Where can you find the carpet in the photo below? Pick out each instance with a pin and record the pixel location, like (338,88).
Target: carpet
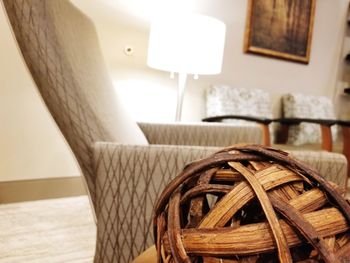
(55,230)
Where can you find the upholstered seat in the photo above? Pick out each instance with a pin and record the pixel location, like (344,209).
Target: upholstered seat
(123,171)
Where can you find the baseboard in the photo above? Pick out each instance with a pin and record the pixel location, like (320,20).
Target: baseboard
(37,189)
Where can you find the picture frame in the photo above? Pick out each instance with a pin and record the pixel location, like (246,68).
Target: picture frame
(281,29)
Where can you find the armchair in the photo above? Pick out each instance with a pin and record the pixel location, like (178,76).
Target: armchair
(123,172)
(240,106)
(307,119)
(308,114)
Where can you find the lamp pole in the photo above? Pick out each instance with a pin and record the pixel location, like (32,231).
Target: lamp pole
(181,84)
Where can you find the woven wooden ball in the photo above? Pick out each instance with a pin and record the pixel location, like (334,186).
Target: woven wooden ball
(250,203)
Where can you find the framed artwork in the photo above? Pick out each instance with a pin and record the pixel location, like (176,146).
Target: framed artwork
(280,28)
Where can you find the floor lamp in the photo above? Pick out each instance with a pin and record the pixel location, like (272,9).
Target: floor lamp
(186,44)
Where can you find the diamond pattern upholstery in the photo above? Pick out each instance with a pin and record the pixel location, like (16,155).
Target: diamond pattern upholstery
(129,180)
(332,166)
(201,134)
(67,71)
(60,48)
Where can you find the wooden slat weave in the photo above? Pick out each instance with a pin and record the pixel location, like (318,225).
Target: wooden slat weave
(249,203)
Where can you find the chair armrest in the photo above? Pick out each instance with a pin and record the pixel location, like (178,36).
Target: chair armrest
(129,178)
(332,166)
(343,123)
(201,134)
(297,121)
(264,123)
(260,120)
(325,126)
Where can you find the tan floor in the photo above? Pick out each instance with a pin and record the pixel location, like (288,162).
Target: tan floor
(50,231)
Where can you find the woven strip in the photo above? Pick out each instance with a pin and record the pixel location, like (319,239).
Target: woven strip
(250,202)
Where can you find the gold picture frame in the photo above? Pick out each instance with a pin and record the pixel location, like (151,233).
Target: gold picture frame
(280,28)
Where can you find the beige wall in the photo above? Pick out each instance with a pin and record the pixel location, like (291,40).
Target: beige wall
(30,144)
(239,69)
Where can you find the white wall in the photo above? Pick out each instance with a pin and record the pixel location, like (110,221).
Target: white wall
(31,146)
(239,69)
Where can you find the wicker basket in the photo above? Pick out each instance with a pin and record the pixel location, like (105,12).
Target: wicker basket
(250,203)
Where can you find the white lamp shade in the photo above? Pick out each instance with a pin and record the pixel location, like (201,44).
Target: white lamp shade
(191,44)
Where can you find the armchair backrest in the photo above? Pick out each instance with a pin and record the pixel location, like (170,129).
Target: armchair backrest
(228,100)
(60,47)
